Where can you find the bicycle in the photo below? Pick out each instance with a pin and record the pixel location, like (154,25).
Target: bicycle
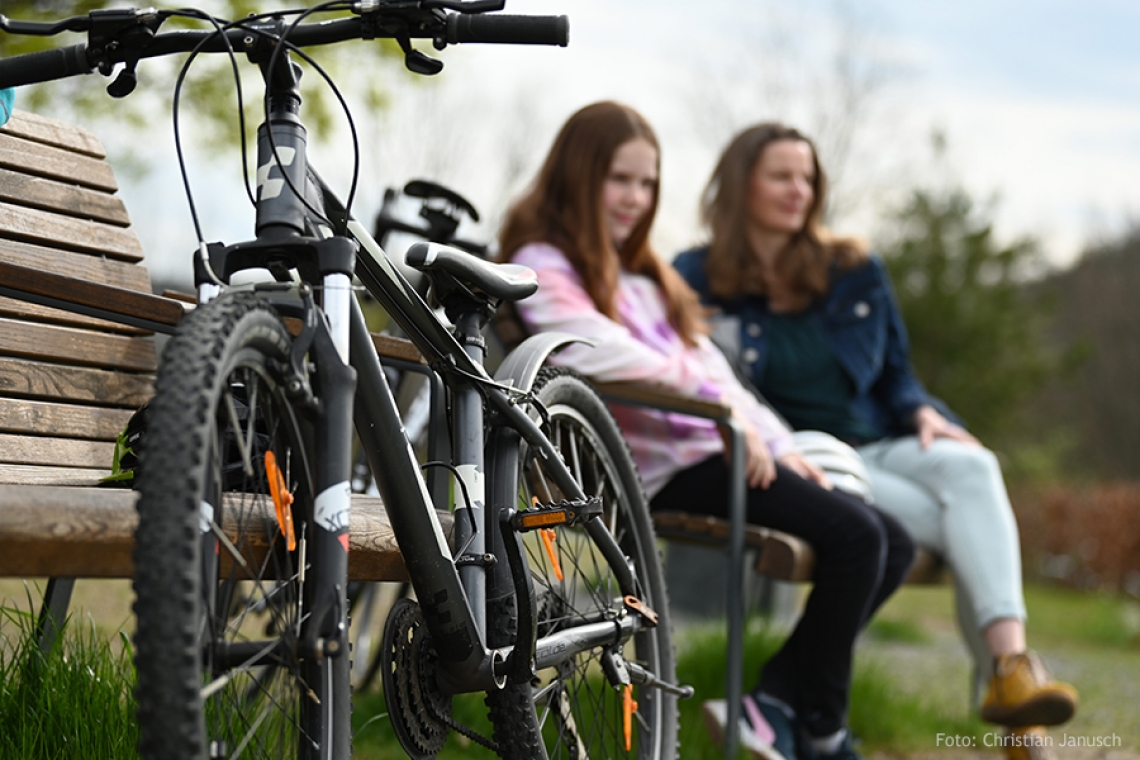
(241,548)
(438,218)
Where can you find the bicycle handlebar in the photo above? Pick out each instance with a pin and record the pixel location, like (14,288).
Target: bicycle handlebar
(449,28)
(505,29)
(44,66)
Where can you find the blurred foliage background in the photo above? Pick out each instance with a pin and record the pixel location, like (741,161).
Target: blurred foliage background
(208,107)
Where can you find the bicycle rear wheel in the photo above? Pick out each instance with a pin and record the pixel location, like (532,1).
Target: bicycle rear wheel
(572,710)
(221,596)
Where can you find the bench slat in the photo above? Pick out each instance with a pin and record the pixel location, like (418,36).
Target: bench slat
(782,556)
(56,452)
(85,266)
(24,378)
(57,163)
(41,129)
(62,420)
(60,197)
(27,475)
(84,347)
(89,533)
(31,312)
(65,232)
(35,283)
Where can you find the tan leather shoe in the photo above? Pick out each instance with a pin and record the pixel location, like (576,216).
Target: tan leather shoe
(1022,693)
(1028,743)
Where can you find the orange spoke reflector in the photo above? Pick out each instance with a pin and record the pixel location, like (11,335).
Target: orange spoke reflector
(548,539)
(628,708)
(282,500)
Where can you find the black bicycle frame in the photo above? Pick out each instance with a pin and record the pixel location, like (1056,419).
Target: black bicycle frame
(453,599)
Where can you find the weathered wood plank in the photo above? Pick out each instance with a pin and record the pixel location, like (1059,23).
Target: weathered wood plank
(57,163)
(397,348)
(34,282)
(25,475)
(89,533)
(84,265)
(62,420)
(781,556)
(72,200)
(56,452)
(38,226)
(23,378)
(85,347)
(31,312)
(61,134)
(639,394)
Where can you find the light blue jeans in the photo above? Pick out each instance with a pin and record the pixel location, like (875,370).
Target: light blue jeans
(952,499)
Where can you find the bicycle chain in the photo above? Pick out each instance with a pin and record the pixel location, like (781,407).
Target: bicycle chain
(422,710)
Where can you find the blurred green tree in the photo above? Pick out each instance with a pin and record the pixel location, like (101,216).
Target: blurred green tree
(208,98)
(977,334)
(1096,308)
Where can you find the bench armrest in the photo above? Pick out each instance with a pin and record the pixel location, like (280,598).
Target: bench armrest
(638,394)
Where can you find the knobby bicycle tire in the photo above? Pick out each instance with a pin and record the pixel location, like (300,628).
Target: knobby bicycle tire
(572,711)
(219,595)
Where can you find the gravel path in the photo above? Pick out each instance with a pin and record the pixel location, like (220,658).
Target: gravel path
(1107,723)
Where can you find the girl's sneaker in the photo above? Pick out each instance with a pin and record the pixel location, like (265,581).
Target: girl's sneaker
(765,731)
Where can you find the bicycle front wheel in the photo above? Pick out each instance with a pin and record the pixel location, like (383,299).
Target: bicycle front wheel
(221,599)
(575,710)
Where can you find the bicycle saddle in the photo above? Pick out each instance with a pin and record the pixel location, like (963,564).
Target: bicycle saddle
(506,282)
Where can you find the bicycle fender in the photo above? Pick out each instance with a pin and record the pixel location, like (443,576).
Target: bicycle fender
(521,366)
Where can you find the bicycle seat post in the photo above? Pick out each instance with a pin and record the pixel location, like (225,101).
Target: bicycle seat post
(470,536)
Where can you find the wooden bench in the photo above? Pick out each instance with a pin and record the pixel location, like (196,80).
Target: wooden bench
(77,357)
(780,556)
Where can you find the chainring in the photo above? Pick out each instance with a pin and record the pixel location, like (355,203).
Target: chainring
(420,713)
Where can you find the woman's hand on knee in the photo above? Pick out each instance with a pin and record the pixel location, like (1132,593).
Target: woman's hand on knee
(930,424)
(806,469)
(759,466)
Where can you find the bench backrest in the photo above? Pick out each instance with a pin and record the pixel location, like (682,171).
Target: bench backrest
(68,382)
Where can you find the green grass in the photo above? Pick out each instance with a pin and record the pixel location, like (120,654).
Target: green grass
(881,715)
(1059,617)
(374,739)
(902,631)
(76,702)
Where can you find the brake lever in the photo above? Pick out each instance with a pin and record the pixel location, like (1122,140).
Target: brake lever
(120,35)
(43,28)
(415,61)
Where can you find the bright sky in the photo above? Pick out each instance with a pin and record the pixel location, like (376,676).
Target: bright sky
(1039,102)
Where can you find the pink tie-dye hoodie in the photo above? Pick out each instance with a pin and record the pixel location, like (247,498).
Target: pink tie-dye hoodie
(643,347)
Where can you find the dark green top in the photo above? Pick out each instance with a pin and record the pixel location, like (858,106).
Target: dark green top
(806,383)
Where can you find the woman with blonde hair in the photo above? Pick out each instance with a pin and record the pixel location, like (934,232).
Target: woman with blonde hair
(812,322)
(583,226)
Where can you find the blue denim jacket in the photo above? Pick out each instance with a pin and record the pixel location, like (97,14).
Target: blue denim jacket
(862,323)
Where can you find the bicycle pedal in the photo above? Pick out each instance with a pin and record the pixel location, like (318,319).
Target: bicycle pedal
(567,513)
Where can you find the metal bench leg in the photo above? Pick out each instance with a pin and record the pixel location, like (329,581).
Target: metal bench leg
(57,598)
(734,603)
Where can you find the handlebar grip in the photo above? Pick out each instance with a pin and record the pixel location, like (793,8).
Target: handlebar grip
(507,29)
(44,66)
